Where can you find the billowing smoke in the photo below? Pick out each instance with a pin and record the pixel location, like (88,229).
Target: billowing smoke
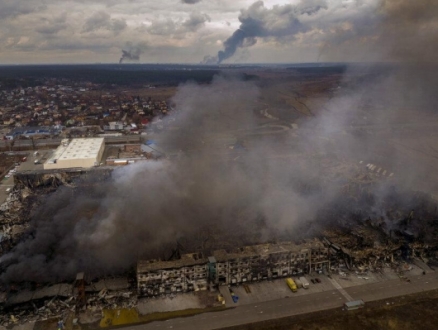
(306,23)
(190,2)
(274,183)
(132,52)
(208,197)
(260,22)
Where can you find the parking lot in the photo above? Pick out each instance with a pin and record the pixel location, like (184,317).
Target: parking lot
(29,164)
(278,289)
(7,182)
(273,290)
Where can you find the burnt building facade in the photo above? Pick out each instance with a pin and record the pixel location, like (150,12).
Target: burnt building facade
(155,277)
(193,272)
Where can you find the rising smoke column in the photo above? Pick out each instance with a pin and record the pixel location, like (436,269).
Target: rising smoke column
(132,52)
(260,22)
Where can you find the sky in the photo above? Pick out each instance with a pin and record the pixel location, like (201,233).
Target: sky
(192,31)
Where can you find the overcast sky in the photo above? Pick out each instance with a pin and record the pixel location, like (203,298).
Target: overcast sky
(189,31)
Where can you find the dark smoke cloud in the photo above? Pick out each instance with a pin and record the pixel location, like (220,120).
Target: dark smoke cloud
(260,22)
(132,53)
(410,30)
(246,196)
(390,30)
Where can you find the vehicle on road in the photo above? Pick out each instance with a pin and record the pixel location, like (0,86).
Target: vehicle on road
(291,284)
(317,280)
(313,281)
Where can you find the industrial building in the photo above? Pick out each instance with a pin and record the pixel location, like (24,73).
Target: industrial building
(86,152)
(194,272)
(29,132)
(189,273)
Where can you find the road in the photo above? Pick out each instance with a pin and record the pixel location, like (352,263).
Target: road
(296,305)
(53,142)
(5,184)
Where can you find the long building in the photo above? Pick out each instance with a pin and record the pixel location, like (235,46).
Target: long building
(83,152)
(189,273)
(194,272)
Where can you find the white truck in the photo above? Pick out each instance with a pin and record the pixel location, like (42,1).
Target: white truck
(304,282)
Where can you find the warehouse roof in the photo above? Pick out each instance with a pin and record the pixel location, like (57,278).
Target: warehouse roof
(190,259)
(78,149)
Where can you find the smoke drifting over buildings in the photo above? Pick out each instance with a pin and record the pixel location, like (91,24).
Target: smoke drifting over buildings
(253,196)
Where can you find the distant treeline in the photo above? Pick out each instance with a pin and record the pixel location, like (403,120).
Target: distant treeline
(159,74)
(341,68)
(109,74)
(326,70)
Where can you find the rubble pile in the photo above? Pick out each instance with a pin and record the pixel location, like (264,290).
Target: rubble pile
(12,204)
(40,179)
(14,218)
(105,299)
(59,300)
(37,311)
(369,248)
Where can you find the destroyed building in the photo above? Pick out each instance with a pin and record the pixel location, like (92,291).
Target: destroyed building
(188,273)
(193,272)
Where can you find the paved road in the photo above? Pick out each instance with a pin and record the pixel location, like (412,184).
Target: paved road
(296,305)
(5,184)
(394,288)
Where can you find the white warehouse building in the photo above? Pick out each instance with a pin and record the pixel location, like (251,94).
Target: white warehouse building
(85,152)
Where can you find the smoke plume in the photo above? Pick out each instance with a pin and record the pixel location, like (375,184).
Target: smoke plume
(132,52)
(231,179)
(260,22)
